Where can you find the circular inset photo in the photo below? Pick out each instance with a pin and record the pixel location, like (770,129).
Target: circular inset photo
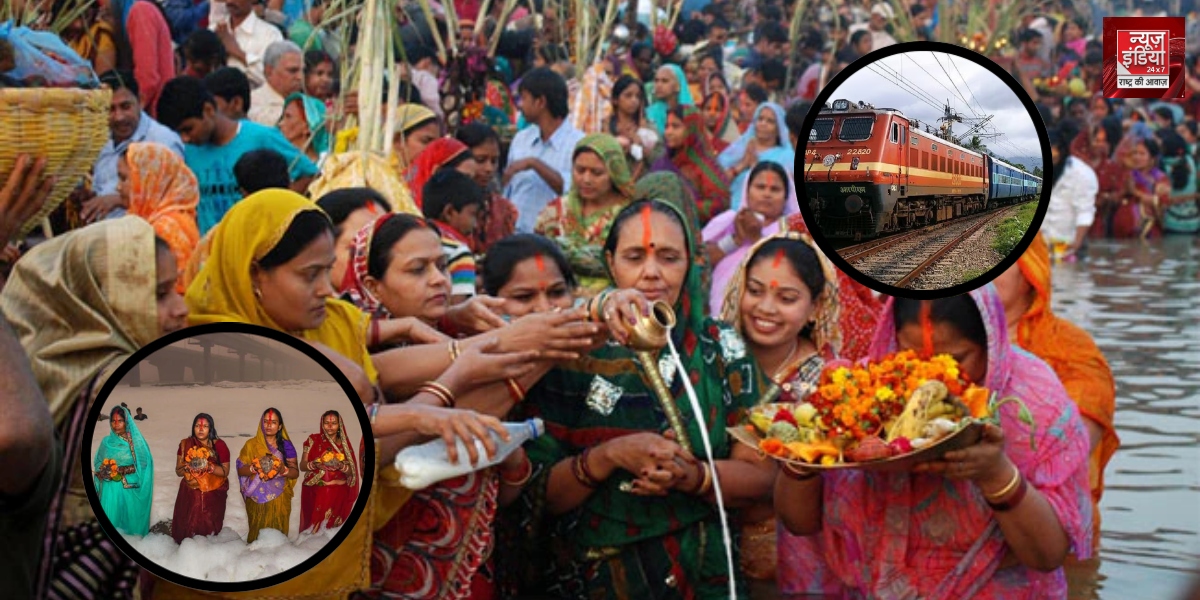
(227,460)
(923,170)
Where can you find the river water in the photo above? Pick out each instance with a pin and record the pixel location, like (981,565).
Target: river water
(1141,303)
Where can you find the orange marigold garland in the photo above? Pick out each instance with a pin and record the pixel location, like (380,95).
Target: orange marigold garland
(110,465)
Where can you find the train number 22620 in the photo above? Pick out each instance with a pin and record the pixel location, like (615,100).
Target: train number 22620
(858,151)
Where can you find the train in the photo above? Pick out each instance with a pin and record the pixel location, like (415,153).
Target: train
(861,183)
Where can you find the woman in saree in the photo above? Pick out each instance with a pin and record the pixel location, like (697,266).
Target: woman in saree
(770,199)
(267,485)
(1025,291)
(992,520)
(156,185)
(600,187)
(303,123)
(269,266)
(444,152)
(1099,153)
(690,155)
(670,92)
(331,476)
(200,504)
(765,140)
(113,285)
(498,218)
(124,475)
(1146,192)
(634,483)
(783,300)
(398,272)
(718,112)
(629,124)
(416,128)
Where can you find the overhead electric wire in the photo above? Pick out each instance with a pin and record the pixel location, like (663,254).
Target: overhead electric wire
(951,80)
(965,84)
(894,77)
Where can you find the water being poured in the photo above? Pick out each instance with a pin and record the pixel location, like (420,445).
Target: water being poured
(712,465)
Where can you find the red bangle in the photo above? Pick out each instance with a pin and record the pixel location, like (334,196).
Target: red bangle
(374,332)
(1012,502)
(526,472)
(515,390)
(582,474)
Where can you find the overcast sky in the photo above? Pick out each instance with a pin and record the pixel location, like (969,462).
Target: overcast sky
(984,94)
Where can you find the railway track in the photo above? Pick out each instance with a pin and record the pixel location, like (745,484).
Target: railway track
(910,254)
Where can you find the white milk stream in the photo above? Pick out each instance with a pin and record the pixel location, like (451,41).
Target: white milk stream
(691,393)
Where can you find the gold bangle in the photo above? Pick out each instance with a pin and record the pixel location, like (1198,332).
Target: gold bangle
(440,391)
(455,350)
(1016,479)
(706,480)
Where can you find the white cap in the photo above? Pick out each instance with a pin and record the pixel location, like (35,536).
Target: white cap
(883,10)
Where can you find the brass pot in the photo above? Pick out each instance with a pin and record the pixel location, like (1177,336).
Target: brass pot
(651,331)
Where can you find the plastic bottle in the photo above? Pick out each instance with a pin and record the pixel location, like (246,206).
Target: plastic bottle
(424,465)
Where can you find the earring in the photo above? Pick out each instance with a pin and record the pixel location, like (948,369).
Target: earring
(258,294)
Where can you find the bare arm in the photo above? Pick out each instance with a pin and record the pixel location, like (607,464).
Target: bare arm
(27,430)
(798,503)
(549,175)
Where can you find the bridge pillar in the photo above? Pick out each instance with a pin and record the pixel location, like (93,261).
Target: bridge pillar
(207,345)
(135,376)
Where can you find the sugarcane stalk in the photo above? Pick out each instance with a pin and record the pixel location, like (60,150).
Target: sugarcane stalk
(433,31)
(482,18)
(609,18)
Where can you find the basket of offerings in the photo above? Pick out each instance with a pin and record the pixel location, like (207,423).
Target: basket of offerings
(197,459)
(333,460)
(890,415)
(51,107)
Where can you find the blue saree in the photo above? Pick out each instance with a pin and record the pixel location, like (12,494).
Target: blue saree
(126,501)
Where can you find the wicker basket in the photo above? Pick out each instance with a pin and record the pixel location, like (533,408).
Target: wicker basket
(67,127)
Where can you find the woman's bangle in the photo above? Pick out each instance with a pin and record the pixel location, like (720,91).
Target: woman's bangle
(455,350)
(442,393)
(527,474)
(1016,499)
(1008,487)
(795,474)
(515,390)
(372,412)
(580,469)
(706,480)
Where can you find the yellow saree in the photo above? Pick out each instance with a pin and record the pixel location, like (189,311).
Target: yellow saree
(268,503)
(221,292)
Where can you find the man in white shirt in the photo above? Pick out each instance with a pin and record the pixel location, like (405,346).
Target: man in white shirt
(283,68)
(881,14)
(1072,207)
(540,156)
(246,37)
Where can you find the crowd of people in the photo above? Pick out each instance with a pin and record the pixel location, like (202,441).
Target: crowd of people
(528,211)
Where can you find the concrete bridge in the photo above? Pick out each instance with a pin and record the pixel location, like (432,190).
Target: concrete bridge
(216,357)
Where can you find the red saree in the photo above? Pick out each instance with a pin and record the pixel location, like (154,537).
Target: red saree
(201,510)
(327,496)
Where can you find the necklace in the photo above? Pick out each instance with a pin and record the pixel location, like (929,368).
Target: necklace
(786,360)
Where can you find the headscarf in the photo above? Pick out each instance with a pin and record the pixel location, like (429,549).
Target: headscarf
(670,187)
(1073,355)
(138,486)
(314,114)
(81,303)
(826,333)
(860,309)
(411,116)
(723,225)
(256,447)
(592,106)
(436,155)
(726,131)
(352,286)
(696,164)
(224,292)
(690,309)
(782,153)
(163,191)
(657,112)
(609,150)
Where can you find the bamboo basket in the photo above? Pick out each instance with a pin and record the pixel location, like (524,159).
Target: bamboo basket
(67,127)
